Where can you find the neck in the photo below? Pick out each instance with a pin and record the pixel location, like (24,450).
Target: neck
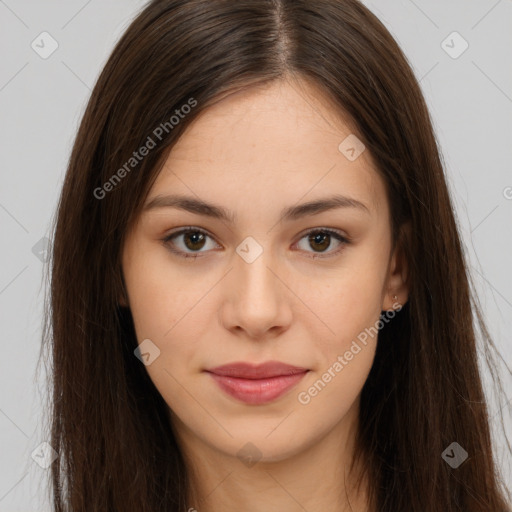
(315,479)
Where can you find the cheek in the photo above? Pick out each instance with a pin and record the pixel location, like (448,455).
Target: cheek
(346,305)
(158,295)
(348,311)
(169,310)
(330,396)
(346,354)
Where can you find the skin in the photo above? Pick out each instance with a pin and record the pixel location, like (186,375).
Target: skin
(256,152)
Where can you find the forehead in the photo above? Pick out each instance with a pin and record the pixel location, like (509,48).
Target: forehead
(270,144)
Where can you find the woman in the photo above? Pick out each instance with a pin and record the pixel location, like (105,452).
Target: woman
(259,297)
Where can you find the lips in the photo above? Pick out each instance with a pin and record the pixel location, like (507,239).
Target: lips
(257,384)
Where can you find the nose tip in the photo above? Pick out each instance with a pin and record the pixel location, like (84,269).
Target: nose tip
(256,301)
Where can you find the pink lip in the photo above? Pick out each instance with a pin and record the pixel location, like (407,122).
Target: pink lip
(257,384)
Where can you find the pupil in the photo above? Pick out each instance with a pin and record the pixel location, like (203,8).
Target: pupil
(318,238)
(196,238)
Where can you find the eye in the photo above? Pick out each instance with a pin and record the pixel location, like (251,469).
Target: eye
(194,239)
(321,239)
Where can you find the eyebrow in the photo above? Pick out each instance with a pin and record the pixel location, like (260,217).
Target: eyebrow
(194,205)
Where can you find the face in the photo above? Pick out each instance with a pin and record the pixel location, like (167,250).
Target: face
(270,280)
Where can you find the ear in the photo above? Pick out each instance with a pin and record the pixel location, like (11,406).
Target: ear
(397,282)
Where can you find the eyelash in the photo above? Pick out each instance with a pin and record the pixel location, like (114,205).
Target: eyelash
(338,236)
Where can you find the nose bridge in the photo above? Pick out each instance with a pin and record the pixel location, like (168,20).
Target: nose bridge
(256,283)
(258,296)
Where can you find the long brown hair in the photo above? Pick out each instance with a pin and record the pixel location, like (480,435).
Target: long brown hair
(107,421)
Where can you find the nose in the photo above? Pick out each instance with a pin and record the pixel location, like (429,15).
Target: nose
(256,300)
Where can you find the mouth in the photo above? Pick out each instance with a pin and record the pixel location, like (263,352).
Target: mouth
(257,384)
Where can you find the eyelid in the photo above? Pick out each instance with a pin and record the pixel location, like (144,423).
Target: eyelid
(180,231)
(339,235)
(336,233)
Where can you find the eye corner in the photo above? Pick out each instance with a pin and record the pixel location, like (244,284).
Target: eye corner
(341,237)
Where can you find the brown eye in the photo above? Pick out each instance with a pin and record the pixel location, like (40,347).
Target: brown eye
(194,240)
(192,243)
(320,240)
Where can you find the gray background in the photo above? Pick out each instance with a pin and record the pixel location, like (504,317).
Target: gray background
(42,100)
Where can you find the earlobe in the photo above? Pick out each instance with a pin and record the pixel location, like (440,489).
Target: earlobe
(397,285)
